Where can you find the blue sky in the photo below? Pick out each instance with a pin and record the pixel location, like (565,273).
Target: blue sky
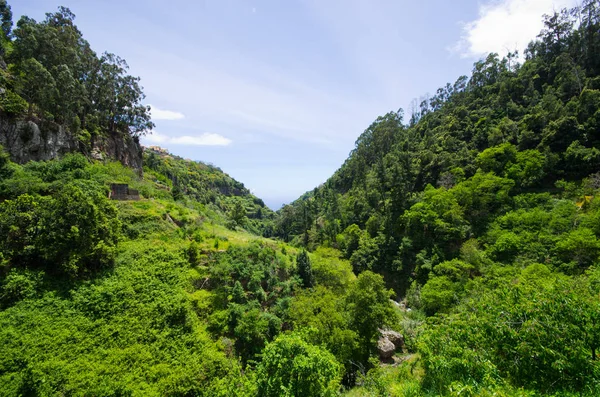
(276,92)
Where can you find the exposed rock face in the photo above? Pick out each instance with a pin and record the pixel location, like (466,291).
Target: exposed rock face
(25,141)
(30,141)
(120,147)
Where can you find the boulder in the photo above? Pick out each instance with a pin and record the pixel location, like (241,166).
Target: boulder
(393,336)
(386,348)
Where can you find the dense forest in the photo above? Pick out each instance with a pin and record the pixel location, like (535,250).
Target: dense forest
(511,139)
(471,229)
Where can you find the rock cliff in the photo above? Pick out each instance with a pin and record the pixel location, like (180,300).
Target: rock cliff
(36,141)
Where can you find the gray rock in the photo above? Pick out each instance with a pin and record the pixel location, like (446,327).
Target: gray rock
(386,348)
(393,336)
(38,141)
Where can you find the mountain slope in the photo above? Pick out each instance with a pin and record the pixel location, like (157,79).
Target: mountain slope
(509,129)
(482,213)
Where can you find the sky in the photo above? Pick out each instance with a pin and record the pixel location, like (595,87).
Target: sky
(275,93)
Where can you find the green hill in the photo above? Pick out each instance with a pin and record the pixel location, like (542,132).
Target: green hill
(154,296)
(482,213)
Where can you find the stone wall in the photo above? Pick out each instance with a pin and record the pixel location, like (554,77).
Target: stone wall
(121,191)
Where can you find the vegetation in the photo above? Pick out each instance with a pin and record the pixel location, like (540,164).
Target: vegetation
(208,185)
(53,76)
(481,214)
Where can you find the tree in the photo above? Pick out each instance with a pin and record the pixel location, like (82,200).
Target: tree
(6,25)
(73,232)
(321,312)
(579,250)
(57,70)
(35,84)
(544,322)
(291,367)
(369,308)
(238,214)
(20,225)
(6,18)
(238,295)
(4,163)
(305,269)
(350,239)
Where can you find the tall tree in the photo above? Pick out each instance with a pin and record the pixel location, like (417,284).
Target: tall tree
(305,269)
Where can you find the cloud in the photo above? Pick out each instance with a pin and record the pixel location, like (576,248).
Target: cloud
(159,114)
(505,26)
(260,99)
(155,137)
(205,139)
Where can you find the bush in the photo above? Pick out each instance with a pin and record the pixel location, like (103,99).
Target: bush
(540,333)
(292,367)
(19,285)
(73,232)
(13,104)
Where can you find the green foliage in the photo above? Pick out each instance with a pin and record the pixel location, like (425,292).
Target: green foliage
(579,250)
(330,270)
(305,269)
(251,286)
(115,334)
(369,308)
(54,69)
(322,313)
(19,284)
(238,215)
(543,322)
(420,190)
(73,231)
(12,104)
(292,367)
(196,182)
(349,240)
(482,213)
(80,230)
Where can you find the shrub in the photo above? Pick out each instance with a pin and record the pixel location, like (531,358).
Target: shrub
(292,367)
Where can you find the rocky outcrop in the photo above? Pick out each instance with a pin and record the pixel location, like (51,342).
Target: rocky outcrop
(37,141)
(26,141)
(395,337)
(121,147)
(386,348)
(389,342)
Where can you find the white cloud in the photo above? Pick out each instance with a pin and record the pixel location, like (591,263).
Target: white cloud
(205,139)
(506,25)
(155,137)
(159,114)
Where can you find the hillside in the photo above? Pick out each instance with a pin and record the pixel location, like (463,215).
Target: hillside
(58,96)
(412,192)
(206,184)
(157,296)
(482,213)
